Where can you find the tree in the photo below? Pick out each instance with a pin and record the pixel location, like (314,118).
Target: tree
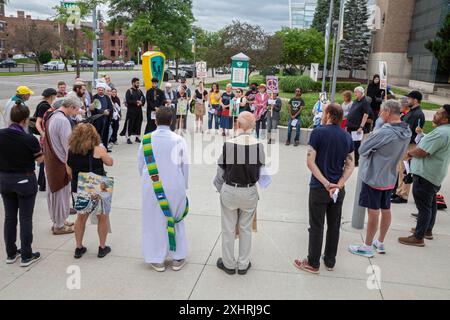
(159,23)
(301,47)
(355,45)
(33,38)
(321,15)
(45,57)
(440,47)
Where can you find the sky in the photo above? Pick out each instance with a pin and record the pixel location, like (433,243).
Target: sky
(210,14)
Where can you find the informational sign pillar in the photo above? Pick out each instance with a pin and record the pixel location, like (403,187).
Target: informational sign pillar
(240,64)
(359,213)
(153,66)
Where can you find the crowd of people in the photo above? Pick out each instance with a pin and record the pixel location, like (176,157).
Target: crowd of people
(77,131)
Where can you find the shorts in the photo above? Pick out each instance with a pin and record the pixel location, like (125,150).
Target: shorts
(375,199)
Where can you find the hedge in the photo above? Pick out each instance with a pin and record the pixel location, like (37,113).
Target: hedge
(289,84)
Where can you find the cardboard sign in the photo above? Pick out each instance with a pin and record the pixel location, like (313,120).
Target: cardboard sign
(383,75)
(202,70)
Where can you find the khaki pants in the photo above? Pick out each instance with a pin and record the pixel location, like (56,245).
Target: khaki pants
(238,209)
(403,189)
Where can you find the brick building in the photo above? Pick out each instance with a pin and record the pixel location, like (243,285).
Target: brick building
(111,44)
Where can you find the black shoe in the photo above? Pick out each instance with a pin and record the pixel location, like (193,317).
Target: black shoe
(13,259)
(221,266)
(399,200)
(79,252)
(102,252)
(129,141)
(109,150)
(415,215)
(394,196)
(138,140)
(42,188)
(244,272)
(27,262)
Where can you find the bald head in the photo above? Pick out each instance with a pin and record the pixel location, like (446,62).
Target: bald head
(246,121)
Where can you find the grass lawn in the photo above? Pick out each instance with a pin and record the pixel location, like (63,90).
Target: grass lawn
(15,74)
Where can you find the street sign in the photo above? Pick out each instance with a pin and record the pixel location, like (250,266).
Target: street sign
(69,4)
(202,70)
(272,84)
(74,15)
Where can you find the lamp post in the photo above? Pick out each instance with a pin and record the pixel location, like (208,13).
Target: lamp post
(338,50)
(327,44)
(94,45)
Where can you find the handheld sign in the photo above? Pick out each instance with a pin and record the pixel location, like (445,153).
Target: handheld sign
(153,66)
(272,84)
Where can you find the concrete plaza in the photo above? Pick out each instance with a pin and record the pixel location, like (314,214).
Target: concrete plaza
(403,273)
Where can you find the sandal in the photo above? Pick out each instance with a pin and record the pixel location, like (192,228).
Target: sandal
(69,224)
(63,230)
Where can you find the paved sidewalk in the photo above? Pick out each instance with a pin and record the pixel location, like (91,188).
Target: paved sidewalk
(404,272)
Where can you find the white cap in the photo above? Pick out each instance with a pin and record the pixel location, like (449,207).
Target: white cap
(168,85)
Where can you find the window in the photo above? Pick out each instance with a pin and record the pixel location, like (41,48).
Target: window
(126,53)
(113,53)
(113,43)
(2,26)
(113,32)
(120,32)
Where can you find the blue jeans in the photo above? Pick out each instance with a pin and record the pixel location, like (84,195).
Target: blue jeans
(297,130)
(214,117)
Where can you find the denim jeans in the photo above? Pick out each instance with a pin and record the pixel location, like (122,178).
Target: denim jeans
(424,193)
(19,194)
(321,206)
(213,116)
(261,125)
(297,130)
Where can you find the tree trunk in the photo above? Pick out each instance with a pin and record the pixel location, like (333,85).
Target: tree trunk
(146,45)
(77,60)
(177,60)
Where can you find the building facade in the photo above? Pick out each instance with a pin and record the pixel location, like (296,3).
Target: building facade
(301,13)
(405,27)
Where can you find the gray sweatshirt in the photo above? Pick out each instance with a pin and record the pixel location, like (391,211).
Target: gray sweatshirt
(381,152)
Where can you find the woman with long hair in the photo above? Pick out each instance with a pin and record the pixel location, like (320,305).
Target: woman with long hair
(86,154)
(376,94)
(200,96)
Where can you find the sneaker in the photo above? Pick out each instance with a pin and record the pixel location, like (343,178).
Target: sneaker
(42,188)
(159,267)
(27,262)
(428,234)
(177,265)
(327,267)
(379,247)
(287,143)
(412,241)
(296,143)
(102,252)
(221,266)
(415,215)
(244,271)
(116,143)
(129,141)
(305,266)
(362,250)
(137,140)
(13,259)
(394,196)
(399,200)
(79,252)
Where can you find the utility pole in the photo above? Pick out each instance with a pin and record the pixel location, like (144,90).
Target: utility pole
(94,46)
(338,50)
(327,44)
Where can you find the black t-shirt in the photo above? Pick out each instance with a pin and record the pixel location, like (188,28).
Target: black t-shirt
(296,104)
(41,109)
(198,94)
(17,151)
(356,113)
(332,146)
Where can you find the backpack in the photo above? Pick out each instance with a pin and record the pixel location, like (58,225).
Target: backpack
(440,202)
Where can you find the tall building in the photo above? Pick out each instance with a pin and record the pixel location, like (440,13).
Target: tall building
(301,13)
(405,27)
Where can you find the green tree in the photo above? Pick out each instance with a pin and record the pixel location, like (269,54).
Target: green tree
(440,47)
(355,46)
(301,47)
(45,57)
(321,15)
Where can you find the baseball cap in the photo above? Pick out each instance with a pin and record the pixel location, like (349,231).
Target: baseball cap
(415,95)
(24,90)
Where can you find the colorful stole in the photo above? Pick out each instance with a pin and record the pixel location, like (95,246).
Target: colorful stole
(159,191)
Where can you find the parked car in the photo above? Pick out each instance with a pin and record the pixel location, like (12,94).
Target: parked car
(130,64)
(19,56)
(84,63)
(189,72)
(54,65)
(8,63)
(168,75)
(105,63)
(181,72)
(118,63)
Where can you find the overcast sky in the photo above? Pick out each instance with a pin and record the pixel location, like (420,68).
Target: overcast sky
(210,14)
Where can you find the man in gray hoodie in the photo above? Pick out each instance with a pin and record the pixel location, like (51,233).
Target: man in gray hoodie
(380,154)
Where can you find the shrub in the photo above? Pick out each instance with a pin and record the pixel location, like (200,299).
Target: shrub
(45,57)
(289,84)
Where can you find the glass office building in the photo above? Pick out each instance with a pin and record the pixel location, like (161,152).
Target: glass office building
(302,13)
(427,20)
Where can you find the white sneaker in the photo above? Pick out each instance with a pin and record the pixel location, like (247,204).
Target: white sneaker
(362,250)
(160,267)
(379,247)
(177,265)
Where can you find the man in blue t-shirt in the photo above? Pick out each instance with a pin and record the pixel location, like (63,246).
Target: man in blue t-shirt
(331,162)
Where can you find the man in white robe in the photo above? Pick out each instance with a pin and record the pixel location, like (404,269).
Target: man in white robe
(171,156)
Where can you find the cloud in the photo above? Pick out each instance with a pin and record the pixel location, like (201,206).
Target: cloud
(211,15)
